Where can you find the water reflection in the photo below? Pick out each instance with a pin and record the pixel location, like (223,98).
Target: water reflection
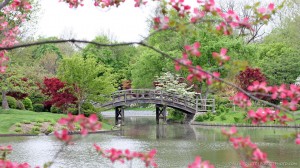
(177,145)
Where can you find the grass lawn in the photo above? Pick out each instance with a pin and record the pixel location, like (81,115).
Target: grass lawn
(10,117)
(13,116)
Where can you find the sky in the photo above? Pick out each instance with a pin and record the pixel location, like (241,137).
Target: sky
(125,23)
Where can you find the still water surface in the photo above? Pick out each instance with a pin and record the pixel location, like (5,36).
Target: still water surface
(177,146)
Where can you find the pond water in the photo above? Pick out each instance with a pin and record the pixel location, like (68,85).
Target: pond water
(177,146)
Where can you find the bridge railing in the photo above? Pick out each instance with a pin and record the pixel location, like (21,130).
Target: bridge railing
(164,97)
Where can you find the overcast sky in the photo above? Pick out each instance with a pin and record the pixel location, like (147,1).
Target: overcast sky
(125,23)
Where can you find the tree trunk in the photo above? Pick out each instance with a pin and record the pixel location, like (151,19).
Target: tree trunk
(4,101)
(79,107)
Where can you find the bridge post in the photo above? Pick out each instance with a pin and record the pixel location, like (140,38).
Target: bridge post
(119,115)
(161,113)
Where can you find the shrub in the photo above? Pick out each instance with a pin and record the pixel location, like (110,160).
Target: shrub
(206,116)
(18,129)
(212,117)
(175,115)
(88,109)
(74,111)
(54,109)
(100,116)
(38,124)
(18,124)
(38,107)
(28,104)
(199,118)
(223,117)
(20,105)
(236,119)
(12,102)
(26,122)
(49,130)
(35,129)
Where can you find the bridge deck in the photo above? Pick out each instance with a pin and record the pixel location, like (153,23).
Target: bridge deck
(187,104)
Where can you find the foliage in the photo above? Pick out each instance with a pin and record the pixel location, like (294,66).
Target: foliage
(285,64)
(38,107)
(89,79)
(20,105)
(72,110)
(54,109)
(175,115)
(199,118)
(12,102)
(59,94)
(27,104)
(223,117)
(116,58)
(247,77)
(88,109)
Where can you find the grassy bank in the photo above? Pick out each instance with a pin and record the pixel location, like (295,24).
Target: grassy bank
(236,117)
(9,118)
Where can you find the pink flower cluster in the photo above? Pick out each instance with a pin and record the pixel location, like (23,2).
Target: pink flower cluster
(73,3)
(252,153)
(198,163)
(195,72)
(161,22)
(297,141)
(9,164)
(86,124)
(241,100)
(4,151)
(11,16)
(120,155)
(263,115)
(290,96)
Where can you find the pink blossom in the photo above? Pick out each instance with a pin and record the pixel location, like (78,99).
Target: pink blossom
(193,49)
(184,60)
(221,57)
(139,2)
(297,141)
(161,23)
(241,100)
(259,87)
(198,15)
(198,163)
(119,155)
(231,132)
(259,156)
(63,135)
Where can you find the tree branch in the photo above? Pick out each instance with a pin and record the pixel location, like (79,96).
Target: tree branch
(65,41)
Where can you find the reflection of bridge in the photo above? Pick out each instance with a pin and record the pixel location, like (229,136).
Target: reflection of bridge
(162,99)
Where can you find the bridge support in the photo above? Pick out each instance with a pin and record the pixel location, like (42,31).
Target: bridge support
(188,118)
(161,113)
(119,115)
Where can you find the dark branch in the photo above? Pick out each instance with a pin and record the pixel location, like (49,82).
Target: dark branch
(3,4)
(64,41)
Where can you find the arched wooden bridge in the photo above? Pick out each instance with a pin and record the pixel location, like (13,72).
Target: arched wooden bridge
(162,99)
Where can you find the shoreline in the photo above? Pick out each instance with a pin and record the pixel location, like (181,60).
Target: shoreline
(246,125)
(51,134)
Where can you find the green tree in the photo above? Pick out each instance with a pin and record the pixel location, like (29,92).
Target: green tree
(279,62)
(117,58)
(89,79)
(11,81)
